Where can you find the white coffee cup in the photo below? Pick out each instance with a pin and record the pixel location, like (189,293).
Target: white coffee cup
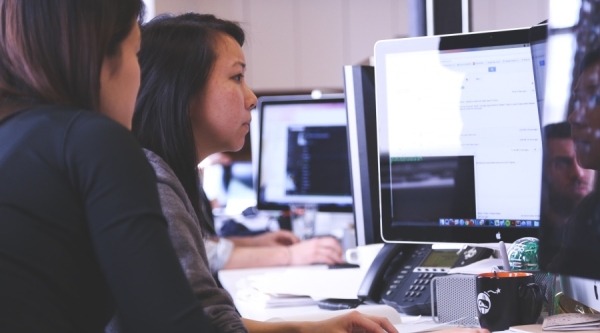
(363,255)
(303,217)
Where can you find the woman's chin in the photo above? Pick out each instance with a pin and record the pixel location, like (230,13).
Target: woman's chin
(238,146)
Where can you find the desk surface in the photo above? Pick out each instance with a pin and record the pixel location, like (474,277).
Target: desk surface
(231,279)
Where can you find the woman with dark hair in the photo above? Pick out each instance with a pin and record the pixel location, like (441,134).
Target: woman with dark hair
(182,127)
(194,102)
(82,229)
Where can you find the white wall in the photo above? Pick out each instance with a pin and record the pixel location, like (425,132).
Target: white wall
(150,9)
(505,14)
(303,44)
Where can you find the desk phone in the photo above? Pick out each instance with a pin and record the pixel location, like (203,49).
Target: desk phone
(401,274)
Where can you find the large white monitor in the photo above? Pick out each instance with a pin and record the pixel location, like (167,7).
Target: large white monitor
(303,153)
(460,150)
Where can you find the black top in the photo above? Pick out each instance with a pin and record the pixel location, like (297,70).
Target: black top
(81,230)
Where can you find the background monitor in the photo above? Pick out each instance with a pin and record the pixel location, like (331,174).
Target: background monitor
(570,235)
(459,139)
(359,90)
(303,153)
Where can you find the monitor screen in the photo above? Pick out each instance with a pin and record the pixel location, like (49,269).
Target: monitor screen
(570,233)
(459,138)
(303,153)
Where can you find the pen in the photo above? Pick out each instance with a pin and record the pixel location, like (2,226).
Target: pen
(504,256)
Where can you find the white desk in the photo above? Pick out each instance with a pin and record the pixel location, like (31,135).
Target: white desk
(230,280)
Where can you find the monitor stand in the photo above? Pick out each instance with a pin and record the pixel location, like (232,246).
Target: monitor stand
(585,291)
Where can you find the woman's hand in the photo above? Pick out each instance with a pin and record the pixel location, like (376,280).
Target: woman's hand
(323,250)
(352,322)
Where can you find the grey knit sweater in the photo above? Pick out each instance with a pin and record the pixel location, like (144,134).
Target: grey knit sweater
(187,239)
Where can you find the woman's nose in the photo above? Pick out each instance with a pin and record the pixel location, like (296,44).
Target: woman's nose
(251,99)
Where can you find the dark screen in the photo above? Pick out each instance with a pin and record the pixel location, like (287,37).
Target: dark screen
(318,160)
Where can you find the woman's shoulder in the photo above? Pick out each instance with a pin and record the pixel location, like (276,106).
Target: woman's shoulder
(55,112)
(68,120)
(69,131)
(166,177)
(86,120)
(91,133)
(171,191)
(163,171)
(49,115)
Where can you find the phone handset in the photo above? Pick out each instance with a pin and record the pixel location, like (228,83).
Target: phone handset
(401,274)
(372,285)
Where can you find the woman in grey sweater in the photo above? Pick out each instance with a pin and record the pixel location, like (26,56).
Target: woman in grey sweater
(194,102)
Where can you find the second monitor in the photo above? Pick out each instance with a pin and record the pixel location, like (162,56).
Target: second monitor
(303,153)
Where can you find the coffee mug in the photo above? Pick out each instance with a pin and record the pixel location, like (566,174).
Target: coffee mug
(506,299)
(302,218)
(363,255)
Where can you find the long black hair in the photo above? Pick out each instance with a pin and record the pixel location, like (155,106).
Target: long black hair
(176,58)
(51,51)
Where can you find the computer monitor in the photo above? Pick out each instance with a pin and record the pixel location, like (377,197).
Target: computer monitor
(570,222)
(538,36)
(359,90)
(303,153)
(460,149)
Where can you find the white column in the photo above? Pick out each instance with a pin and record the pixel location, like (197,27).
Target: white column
(150,9)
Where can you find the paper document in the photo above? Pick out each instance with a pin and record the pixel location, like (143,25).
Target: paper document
(315,283)
(271,300)
(537,328)
(572,322)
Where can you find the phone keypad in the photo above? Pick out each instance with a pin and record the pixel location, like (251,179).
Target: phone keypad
(416,290)
(407,283)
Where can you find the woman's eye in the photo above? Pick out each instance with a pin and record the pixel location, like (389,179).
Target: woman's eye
(238,77)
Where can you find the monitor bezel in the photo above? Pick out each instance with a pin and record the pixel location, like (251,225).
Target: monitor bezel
(359,89)
(414,234)
(291,99)
(538,33)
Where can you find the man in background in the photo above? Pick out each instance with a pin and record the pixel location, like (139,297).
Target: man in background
(565,181)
